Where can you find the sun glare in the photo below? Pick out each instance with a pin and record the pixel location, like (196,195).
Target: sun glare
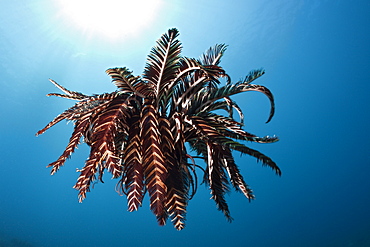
(111,19)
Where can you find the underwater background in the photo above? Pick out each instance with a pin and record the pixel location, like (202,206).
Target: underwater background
(317,60)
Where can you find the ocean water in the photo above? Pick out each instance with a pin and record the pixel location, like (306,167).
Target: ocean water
(316,56)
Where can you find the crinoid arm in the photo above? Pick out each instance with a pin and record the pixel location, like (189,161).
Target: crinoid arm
(68,94)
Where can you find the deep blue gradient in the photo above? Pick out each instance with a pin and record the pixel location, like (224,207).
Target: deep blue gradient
(317,60)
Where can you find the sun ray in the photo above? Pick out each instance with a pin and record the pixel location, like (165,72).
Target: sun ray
(109,19)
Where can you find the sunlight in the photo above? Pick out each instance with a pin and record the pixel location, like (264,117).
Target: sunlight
(110,19)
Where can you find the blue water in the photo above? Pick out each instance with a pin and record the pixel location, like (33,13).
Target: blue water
(317,57)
